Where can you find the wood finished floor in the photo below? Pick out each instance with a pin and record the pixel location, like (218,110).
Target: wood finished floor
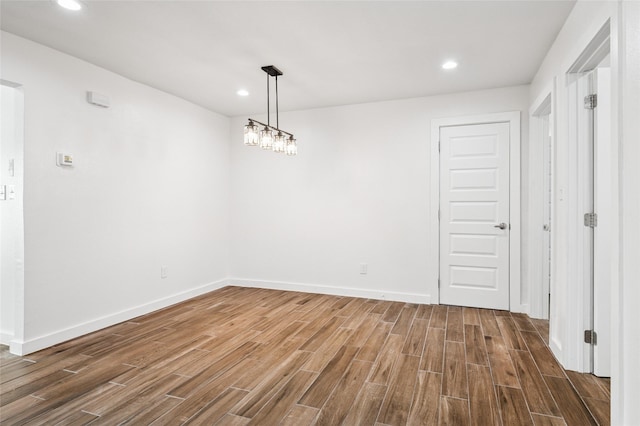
(241,356)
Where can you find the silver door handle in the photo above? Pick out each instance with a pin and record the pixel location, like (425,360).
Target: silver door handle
(501,226)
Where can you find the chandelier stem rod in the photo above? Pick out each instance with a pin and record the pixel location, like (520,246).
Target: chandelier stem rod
(268,103)
(277,108)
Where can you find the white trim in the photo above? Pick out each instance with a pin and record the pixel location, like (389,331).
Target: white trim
(19,288)
(5,338)
(26,347)
(593,54)
(538,106)
(602,233)
(532,273)
(334,290)
(513,118)
(18,347)
(577,355)
(620,312)
(575,301)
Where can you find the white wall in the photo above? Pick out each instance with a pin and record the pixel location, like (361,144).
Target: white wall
(358,192)
(152,186)
(149,187)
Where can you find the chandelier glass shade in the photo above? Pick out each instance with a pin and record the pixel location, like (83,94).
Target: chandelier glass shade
(278,143)
(266,138)
(251,136)
(291,148)
(270,137)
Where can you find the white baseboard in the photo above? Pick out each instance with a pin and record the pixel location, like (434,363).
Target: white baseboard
(336,291)
(57,337)
(33,345)
(556,349)
(5,338)
(522,308)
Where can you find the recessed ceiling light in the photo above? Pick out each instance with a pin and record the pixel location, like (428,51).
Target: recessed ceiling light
(449,65)
(242,92)
(70,4)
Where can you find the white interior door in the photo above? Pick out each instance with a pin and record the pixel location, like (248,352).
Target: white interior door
(474,215)
(602,232)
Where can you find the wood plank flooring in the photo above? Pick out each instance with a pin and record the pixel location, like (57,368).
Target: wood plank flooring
(240,356)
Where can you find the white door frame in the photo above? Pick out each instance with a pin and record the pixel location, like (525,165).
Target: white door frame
(17,339)
(513,118)
(538,290)
(591,189)
(567,336)
(603,232)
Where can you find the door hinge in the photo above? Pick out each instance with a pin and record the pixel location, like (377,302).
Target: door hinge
(590,101)
(438,283)
(591,220)
(590,337)
(438,146)
(438,214)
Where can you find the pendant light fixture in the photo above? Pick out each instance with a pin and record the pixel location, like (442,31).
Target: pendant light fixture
(270,137)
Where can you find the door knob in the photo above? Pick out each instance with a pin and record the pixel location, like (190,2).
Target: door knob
(501,226)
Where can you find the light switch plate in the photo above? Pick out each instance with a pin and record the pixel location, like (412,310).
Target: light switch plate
(363,268)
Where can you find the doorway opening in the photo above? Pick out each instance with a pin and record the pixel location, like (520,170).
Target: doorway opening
(11,214)
(589,94)
(540,189)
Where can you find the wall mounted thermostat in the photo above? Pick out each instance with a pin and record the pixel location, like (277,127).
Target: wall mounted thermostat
(63,159)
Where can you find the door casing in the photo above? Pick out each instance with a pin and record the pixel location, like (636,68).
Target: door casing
(513,118)
(602,233)
(573,315)
(15,337)
(538,273)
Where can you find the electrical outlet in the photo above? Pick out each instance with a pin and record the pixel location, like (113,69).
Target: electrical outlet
(363,269)
(163,271)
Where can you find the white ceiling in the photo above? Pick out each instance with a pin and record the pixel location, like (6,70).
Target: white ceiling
(331,53)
